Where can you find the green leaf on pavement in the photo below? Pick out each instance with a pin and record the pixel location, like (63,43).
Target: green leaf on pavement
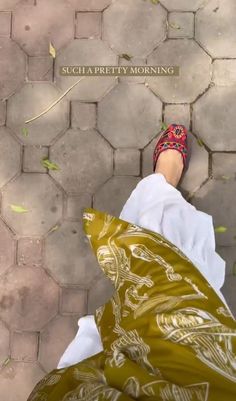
(53,229)
(25,131)
(18,209)
(225,177)
(5,363)
(163,126)
(49,165)
(220,229)
(199,141)
(154,1)
(174,26)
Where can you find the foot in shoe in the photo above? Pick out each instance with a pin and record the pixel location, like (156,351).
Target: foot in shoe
(170,164)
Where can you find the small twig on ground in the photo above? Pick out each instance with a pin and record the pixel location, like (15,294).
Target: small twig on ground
(55,102)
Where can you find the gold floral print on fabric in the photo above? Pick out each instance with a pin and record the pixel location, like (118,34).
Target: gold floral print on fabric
(166,334)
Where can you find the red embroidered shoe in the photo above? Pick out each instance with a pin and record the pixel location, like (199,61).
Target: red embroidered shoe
(174,137)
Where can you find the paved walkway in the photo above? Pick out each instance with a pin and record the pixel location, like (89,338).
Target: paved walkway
(101,136)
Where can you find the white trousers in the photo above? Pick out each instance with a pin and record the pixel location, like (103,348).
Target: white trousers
(158,206)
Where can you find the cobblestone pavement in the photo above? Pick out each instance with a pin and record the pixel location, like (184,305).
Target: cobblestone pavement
(101,135)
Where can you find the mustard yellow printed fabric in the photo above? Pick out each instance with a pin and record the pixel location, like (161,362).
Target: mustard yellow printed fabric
(166,334)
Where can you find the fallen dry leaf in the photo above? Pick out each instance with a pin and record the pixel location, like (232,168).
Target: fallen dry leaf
(5,363)
(52,50)
(53,229)
(126,56)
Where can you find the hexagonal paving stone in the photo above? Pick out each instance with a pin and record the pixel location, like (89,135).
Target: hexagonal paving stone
(68,256)
(182,5)
(79,169)
(100,293)
(4,343)
(39,195)
(215,28)
(129,116)
(12,67)
(112,196)
(224,165)
(214,116)
(34,27)
(18,379)
(10,161)
(215,198)
(30,101)
(191,82)
(7,248)
(55,338)
(85,52)
(228,253)
(29,298)
(228,291)
(134,27)
(90,5)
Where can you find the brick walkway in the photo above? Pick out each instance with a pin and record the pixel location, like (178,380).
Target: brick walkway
(101,136)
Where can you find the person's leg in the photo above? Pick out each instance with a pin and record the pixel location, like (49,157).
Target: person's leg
(168,169)
(170,165)
(87,341)
(146,207)
(156,204)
